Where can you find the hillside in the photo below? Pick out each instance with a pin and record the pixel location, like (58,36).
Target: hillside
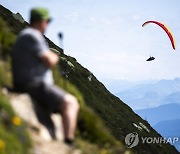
(116,115)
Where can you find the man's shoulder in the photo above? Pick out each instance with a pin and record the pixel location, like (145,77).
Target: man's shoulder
(31,32)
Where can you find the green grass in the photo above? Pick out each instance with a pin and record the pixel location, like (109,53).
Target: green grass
(14,137)
(6,39)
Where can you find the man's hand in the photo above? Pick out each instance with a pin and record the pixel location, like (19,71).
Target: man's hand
(50,58)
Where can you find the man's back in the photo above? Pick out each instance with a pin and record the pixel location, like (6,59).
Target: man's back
(31,63)
(26,59)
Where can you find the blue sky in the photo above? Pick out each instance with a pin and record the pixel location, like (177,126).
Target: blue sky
(106,36)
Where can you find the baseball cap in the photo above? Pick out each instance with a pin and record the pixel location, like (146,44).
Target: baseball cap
(39,13)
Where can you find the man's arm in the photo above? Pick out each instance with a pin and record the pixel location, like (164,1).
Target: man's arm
(49,58)
(41,50)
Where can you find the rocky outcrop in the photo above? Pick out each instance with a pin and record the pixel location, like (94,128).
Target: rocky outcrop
(42,141)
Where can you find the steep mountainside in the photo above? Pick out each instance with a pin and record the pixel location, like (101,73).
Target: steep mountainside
(117,116)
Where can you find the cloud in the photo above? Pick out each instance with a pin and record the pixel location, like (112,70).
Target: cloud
(119,20)
(73,17)
(136,17)
(114,20)
(93,20)
(106,21)
(113,65)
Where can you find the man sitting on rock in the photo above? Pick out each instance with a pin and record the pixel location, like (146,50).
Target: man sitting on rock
(32,61)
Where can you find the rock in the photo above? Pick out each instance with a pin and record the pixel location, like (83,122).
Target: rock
(43,143)
(18,16)
(23,107)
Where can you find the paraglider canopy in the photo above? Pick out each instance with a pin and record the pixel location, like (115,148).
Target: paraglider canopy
(165,28)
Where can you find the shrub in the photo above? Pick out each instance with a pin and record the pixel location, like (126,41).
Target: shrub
(6,39)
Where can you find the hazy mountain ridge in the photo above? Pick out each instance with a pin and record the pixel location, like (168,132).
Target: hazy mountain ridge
(170,128)
(120,85)
(153,94)
(160,113)
(165,119)
(172,98)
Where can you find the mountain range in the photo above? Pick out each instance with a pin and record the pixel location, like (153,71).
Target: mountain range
(161,113)
(152,94)
(170,128)
(165,119)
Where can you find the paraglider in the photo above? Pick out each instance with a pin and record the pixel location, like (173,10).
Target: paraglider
(165,28)
(168,32)
(150,58)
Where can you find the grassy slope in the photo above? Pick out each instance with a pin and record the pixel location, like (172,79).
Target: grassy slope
(117,116)
(13,135)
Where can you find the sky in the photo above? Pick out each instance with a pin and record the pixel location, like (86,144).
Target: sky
(107,37)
